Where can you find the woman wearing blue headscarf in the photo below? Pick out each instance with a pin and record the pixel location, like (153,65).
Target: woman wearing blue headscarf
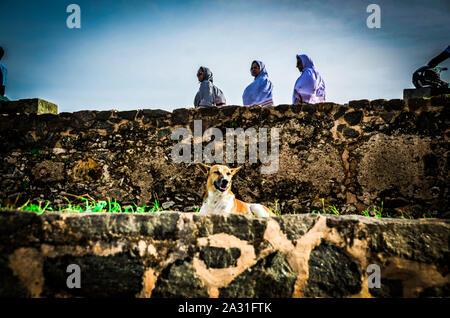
(309,87)
(208,94)
(259,92)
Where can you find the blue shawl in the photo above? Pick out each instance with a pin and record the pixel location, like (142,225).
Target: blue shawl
(310,85)
(260,90)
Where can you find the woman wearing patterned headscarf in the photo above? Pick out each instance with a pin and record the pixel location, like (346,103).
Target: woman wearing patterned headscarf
(208,94)
(309,87)
(259,92)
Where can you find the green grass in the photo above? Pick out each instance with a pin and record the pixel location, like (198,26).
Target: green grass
(328,209)
(373,211)
(427,215)
(276,209)
(102,206)
(376,212)
(89,205)
(35,151)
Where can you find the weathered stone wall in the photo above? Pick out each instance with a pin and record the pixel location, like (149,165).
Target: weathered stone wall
(172,254)
(354,156)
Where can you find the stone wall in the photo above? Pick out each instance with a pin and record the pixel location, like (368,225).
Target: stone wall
(172,254)
(354,156)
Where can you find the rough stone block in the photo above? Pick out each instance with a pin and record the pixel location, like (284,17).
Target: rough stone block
(332,273)
(325,107)
(357,104)
(340,127)
(229,110)
(282,108)
(104,115)
(187,255)
(395,104)
(378,104)
(155,113)
(128,115)
(218,257)
(208,110)
(410,93)
(440,100)
(416,103)
(387,117)
(350,133)
(269,278)
(33,105)
(353,118)
(309,108)
(180,116)
(341,111)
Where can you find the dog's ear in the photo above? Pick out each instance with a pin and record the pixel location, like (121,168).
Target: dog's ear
(235,170)
(204,168)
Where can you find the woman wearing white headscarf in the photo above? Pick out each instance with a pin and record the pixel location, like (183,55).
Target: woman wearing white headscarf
(309,87)
(208,94)
(259,92)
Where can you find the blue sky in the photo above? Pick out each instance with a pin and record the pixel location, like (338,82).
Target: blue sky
(145,54)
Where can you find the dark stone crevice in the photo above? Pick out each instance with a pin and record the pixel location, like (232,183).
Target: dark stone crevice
(332,272)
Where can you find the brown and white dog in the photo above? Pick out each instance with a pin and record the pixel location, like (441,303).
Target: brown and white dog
(219,199)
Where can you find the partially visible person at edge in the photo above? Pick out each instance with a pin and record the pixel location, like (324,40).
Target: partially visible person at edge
(208,94)
(259,92)
(3,72)
(310,86)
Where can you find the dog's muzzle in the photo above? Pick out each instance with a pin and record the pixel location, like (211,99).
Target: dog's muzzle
(221,184)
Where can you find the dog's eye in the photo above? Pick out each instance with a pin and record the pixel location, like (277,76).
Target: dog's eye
(228,173)
(217,172)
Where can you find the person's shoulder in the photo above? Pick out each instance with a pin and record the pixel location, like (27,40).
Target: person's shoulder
(308,71)
(207,83)
(249,86)
(306,74)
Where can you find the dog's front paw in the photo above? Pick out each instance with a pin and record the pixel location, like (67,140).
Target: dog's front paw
(259,210)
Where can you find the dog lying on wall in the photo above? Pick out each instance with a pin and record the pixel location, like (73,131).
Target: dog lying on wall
(219,199)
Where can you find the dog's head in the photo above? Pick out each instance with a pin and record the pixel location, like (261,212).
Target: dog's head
(219,177)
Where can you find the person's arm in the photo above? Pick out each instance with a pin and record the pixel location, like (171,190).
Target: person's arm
(197,99)
(295,95)
(2,88)
(303,89)
(219,97)
(206,94)
(440,58)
